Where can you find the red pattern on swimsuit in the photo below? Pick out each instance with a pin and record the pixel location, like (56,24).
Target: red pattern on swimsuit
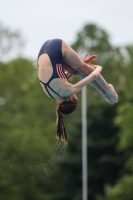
(60,71)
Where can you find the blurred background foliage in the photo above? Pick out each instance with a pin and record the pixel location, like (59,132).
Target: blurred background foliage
(33,164)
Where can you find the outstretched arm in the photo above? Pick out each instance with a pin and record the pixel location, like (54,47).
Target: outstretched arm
(99,88)
(88,79)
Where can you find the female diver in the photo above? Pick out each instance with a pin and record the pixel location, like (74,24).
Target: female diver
(57,62)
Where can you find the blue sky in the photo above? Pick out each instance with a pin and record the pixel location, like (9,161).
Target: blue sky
(40,20)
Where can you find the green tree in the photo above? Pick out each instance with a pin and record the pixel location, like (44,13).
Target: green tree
(123,187)
(10,42)
(27,132)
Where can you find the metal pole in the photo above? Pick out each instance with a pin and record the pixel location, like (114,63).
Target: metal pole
(84,145)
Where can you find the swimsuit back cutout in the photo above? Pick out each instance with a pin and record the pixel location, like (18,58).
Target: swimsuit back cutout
(53,48)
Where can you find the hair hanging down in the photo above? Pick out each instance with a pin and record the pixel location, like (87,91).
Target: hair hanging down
(66,107)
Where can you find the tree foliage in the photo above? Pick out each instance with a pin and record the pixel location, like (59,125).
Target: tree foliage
(10,42)
(123,188)
(35,166)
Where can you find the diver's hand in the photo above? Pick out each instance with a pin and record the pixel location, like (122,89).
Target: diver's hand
(89,59)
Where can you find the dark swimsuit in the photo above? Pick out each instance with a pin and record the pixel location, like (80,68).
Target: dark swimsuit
(53,48)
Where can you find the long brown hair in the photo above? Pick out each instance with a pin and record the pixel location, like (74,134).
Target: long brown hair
(66,108)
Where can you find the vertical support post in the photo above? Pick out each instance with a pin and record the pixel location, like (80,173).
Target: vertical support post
(84,145)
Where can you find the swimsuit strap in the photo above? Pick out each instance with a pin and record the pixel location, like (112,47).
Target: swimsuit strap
(46,88)
(46,85)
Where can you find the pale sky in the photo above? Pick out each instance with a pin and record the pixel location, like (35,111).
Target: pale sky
(40,20)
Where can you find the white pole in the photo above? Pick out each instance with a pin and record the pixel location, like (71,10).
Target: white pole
(84,145)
